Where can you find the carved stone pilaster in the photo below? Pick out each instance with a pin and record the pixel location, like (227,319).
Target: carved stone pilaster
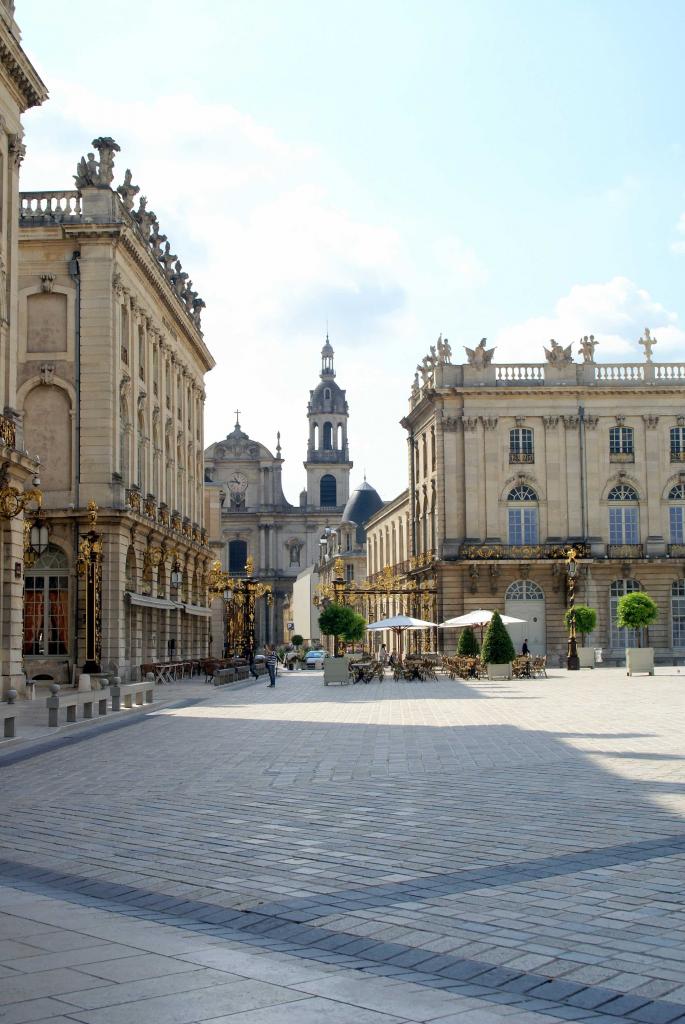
(550,422)
(571,422)
(489,422)
(451,423)
(651,422)
(591,422)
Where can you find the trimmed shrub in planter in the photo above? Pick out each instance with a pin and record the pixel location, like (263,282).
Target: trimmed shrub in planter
(468,645)
(638,611)
(497,651)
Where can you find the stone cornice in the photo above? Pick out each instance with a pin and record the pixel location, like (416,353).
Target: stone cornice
(29,86)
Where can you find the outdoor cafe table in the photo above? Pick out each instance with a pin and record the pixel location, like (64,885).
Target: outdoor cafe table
(359,669)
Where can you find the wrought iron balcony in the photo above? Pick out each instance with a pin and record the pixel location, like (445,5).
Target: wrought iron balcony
(629,551)
(522,552)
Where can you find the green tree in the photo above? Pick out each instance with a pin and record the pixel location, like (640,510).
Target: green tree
(586,620)
(296,640)
(343,623)
(468,645)
(497,647)
(636,611)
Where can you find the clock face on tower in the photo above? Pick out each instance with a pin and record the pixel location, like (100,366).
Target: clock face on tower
(238,483)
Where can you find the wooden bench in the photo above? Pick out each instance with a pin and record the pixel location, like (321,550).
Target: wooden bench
(72,701)
(142,692)
(8,717)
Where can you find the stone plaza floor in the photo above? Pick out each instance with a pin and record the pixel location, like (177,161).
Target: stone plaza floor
(376,854)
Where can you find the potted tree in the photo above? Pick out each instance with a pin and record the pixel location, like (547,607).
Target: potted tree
(497,651)
(468,646)
(586,620)
(637,611)
(345,626)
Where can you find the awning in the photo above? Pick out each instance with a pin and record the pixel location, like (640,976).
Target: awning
(146,601)
(196,609)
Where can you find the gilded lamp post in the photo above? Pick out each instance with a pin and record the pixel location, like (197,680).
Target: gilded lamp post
(89,566)
(572,660)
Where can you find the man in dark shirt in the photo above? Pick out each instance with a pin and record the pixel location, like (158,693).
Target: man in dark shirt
(271,662)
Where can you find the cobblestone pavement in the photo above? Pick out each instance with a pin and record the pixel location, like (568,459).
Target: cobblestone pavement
(355,855)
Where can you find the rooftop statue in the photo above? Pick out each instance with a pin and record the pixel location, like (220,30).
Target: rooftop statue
(144,218)
(648,343)
(167,259)
(587,348)
(479,357)
(558,356)
(127,191)
(89,173)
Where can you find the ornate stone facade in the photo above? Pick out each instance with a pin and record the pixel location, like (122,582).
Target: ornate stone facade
(111,362)
(510,464)
(248,514)
(20,88)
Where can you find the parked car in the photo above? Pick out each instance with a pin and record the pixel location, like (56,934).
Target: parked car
(315,659)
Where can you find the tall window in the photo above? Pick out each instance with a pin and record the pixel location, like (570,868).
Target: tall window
(523,515)
(521,445)
(621,444)
(676,514)
(349,573)
(328,437)
(237,556)
(677,444)
(328,491)
(621,637)
(624,525)
(524,590)
(678,613)
(46,605)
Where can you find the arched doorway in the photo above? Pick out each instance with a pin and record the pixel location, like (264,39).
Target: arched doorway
(525,599)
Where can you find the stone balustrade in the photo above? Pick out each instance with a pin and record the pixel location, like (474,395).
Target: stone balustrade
(620,373)
(524,373)
(56,207)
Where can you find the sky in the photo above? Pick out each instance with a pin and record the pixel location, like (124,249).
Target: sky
(389,170)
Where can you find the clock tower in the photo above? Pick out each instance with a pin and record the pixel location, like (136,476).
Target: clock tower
(328,460)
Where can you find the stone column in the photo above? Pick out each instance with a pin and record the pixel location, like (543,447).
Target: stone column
(553,472)
(575,516)
(652,528)
(491,475)
(473,472)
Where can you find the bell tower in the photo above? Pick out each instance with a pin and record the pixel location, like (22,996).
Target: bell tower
(328,459)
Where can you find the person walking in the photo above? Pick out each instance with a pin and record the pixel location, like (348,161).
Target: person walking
(383,655)
(525,650)
(271,663)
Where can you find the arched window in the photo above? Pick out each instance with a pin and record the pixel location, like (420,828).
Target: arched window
(326,394)
(237,556)
(339,437)
(624,523)
(46,605)
(677,444)
(620,638)
(522,515)
(678,613)
(521,445)
(328,491)
(621,444)
(315,436)
(676,514)
(524,590)
(328,437)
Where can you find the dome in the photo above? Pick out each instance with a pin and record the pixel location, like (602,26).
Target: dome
(327,397)
(364,502)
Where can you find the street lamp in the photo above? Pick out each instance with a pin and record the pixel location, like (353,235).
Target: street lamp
(39,537)
(176,577)
(572,659)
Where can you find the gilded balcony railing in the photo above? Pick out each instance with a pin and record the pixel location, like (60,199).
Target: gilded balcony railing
(624,551)
(521,458)
(8,432)
(524,552)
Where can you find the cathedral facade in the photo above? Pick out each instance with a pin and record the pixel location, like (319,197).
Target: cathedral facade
(248,515)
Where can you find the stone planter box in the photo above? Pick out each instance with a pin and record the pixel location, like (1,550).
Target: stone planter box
(586,657)
(639,659)
(336,670)
(499,671)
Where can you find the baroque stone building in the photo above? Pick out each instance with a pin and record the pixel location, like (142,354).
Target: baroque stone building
(511,464)
(110,368)
(20,89)
(249,515)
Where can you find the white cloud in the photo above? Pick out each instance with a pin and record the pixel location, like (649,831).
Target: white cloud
(616,312)
(275,254)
